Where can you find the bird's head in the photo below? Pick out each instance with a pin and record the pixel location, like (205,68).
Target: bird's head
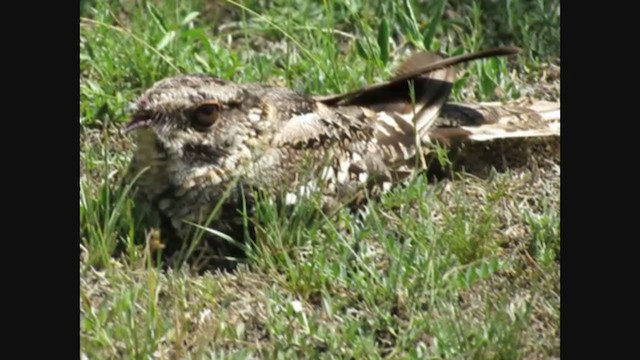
(193,118)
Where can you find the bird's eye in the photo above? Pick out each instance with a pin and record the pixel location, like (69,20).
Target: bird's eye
(207,113)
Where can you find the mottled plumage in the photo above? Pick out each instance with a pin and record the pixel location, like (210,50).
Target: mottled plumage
(206,141)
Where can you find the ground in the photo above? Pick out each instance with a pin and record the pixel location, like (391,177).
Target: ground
(465,265)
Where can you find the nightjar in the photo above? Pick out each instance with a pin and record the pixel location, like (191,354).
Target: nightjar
(205,144)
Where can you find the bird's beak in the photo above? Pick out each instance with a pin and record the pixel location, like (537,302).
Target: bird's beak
(138,121)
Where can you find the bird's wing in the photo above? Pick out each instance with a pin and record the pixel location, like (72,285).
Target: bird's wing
(489,121)
(417,91)
(403,109)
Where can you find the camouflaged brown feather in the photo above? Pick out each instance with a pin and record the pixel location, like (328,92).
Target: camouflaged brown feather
(205,141)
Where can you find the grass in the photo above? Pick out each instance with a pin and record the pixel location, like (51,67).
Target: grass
(466,267)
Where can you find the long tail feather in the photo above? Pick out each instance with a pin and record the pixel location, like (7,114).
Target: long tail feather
(347,98)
